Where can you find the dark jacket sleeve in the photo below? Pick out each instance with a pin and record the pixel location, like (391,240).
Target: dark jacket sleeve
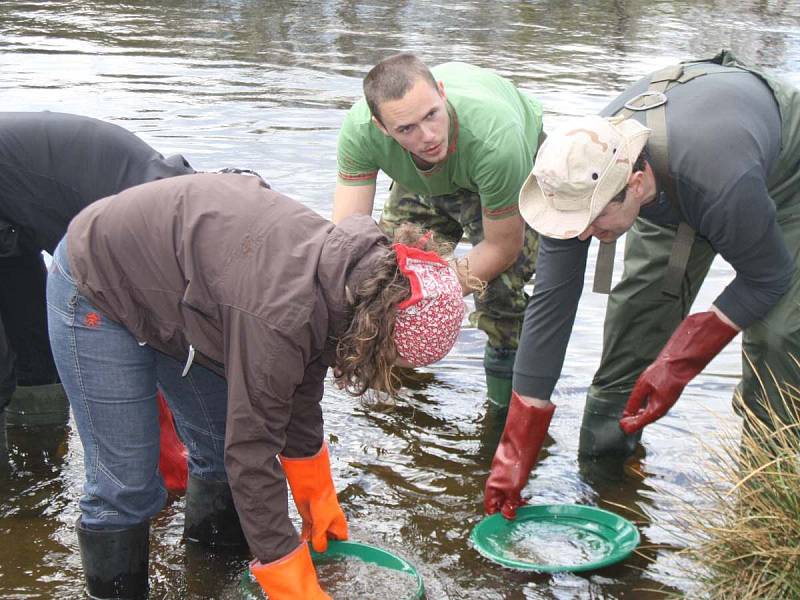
(549,317)
(740,223)
(264,368)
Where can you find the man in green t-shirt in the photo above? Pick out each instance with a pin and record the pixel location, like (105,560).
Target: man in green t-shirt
(458,142)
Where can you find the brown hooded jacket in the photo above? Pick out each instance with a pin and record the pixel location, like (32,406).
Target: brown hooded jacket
(252,284)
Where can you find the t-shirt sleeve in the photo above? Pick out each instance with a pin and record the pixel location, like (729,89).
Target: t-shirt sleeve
(740,223)
(550,315)
(500,171)
(355,165)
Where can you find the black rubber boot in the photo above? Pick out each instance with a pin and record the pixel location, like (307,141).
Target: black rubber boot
(33,405)
(211,518)
(5,466)
(115,561)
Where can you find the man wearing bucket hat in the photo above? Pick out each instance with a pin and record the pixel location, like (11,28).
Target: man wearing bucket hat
(235,300)
(51,166)
(705,162)
(457,141)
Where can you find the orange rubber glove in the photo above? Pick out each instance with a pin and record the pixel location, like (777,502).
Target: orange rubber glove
(172,461)
(516,454)
(315,498)
(698,339)
(289,578)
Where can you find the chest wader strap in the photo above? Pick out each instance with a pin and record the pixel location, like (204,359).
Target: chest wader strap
(654,101)
(604,267)
(678,259)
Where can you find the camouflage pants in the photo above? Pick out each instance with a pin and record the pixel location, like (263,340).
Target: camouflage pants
(500,310)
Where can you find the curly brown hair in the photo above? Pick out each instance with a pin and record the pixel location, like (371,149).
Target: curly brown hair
(366,353)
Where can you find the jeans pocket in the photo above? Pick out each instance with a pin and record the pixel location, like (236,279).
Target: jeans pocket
(62,294)
(61,262)
(57,268)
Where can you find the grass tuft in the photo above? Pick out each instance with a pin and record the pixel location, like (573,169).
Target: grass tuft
(746,537)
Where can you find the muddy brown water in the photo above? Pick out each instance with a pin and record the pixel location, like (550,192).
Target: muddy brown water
(264,85)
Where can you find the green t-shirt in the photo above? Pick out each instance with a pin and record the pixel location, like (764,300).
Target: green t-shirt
(495,129)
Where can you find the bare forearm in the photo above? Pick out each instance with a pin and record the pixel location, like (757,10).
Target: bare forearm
(352,200)
(486,261)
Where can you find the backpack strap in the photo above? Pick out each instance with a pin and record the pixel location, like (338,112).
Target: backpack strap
(654,101)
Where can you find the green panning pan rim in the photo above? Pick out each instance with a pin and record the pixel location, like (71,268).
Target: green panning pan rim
(620,534)
(365,552)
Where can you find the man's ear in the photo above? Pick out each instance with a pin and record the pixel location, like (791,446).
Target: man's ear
(379,125)
(637,182)
(441,89)
(646,182)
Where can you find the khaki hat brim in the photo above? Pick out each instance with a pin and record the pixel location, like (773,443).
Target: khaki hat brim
(540,213)
(545,219)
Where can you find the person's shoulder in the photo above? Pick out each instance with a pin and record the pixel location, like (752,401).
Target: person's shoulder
(455,71)
(470,85)
(53,125)
(357,122)
(455,65)
(359,112)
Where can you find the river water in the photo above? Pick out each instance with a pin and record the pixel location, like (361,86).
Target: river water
(264,85)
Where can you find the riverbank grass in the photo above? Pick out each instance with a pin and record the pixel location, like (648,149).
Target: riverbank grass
(746,539)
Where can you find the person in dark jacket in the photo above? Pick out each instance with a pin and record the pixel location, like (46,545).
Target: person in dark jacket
(235,300)
(51,166)
(698,159)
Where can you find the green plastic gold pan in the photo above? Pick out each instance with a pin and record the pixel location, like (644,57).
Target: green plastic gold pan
(350,550)
(556,537)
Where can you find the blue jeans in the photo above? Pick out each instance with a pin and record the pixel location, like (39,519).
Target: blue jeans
(111,381)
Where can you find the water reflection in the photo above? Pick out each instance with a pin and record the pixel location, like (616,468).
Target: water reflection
(264,85)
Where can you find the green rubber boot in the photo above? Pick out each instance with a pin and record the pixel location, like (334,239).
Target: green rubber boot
(499,366)
(600,434)
(33,405)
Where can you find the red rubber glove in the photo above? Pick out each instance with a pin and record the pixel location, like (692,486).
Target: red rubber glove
(315,498)
(289,578)
(522,439)
(173,458)
(698,339)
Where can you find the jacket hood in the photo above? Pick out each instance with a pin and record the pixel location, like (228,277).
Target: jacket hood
(348,255)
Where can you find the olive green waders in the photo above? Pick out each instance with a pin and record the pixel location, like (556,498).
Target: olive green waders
(640,318)
(500,310)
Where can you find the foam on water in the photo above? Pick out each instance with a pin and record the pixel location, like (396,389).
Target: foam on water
(343,578)
(549,543)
